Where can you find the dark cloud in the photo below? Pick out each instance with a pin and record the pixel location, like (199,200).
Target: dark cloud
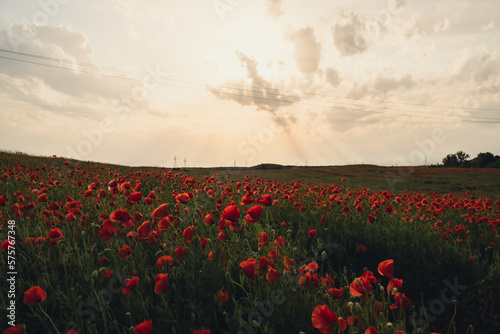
(307,51)
(259,92)
(348,35)
(274,8)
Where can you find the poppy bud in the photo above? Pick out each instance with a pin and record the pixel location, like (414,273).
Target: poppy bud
(94,274)
(255,323)
(359,309)
(323,255)
(350,305)
(128,314)
(389,325)
(193,316)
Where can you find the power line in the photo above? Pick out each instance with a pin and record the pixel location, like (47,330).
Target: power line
(473,119)
(192,80)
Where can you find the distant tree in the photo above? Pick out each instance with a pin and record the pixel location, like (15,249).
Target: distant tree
(484,159)
(450,160)
(461,157)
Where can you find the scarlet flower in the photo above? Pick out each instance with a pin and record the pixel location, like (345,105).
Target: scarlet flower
(323,319)
(266,200)
(360,287)
(248,268)
(255,212)
(231,213)
(335,293)
(371,219)
(401,302)
(164,260)
(34,295)
(182,198)
(263,240)
(135,197)
(222,236)
(188,234)
(180,252)
(160,211)
(394,283)
(130,285)
(42,198)
(362,248)
(371,330)
(312,234)
(281,242)
(123,217)
(221,297)
(203,331)
(125,252)
(145,327)
(386,268)
(144,230)
(369,276)
(272,275)
(208,220)
(161,285)
(17,329)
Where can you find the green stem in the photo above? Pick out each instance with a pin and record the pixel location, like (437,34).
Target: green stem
(41,309)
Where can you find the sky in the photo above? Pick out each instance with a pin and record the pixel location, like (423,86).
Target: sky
(206,83)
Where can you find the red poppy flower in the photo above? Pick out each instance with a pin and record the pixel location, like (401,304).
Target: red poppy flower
(222,236)
(323,319)
(203,331)
(263,240)
(180,252)
(371,219)
(394,283)
(369,276)
(248,268)
(182,198)
(266,200)
(221,297)
(312,234)
(255,212)
(145,327)
(161,285)
(360,287)
(123,217)
(386,268)
(188,234)
(335,293)
(17,329)
(281,242)
(231,213)
(135,197)
(208,220)
(164,260)
(371,330)
(160,211)
(272,275)
(34,295)
(125,252)
(144,230)
(401,302)
(42,198)
(107,230)
(130,285)
(362,248)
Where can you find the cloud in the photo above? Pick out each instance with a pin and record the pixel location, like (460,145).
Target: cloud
(259,92)
(274,8)
(42,80)
(348,35)
(332,77)
(307,51)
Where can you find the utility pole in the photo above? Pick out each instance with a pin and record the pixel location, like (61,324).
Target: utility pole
(184,162)
(234,163)
(175,161)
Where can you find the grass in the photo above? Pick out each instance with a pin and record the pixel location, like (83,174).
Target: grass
(438,230)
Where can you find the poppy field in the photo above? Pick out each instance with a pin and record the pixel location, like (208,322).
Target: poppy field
(97,248)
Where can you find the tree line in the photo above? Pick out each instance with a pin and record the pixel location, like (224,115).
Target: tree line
(483,160)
